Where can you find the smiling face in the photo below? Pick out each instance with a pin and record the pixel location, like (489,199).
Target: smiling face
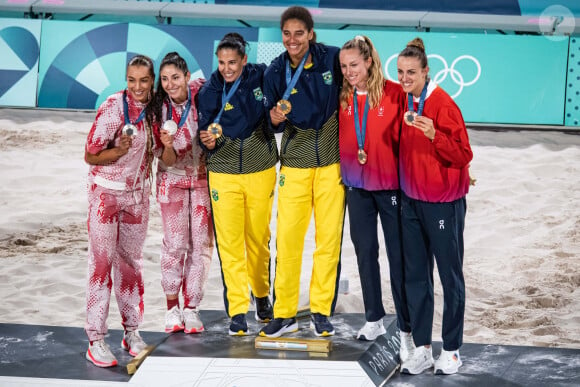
(230,64)
(296,39)
(355,68)
(174,82)
(411,75)
(139,82)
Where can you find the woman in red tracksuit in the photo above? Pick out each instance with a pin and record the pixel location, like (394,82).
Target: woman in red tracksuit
(434,158)
(182,195)
(118,150)
(370,121)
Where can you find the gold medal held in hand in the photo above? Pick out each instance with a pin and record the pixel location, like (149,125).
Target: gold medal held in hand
(285,106)
(362,156)
(215,130)
(410,117)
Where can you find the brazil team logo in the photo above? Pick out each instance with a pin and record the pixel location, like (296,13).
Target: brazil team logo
(327,77)
(258,94)
(214,195)
(282,180)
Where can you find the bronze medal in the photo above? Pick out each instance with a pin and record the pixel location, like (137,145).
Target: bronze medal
(410,117)
(285,106)
(215,129)
(362,156)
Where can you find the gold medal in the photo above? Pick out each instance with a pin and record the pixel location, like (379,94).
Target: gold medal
(285,106)
(362,156)
(215,129)
(170,126)
(410,117)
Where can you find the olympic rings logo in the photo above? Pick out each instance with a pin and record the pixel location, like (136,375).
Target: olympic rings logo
(441,75)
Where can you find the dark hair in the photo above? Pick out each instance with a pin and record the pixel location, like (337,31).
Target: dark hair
(171,59)
(233,41)
(416,48)
(143,60)
(301,14)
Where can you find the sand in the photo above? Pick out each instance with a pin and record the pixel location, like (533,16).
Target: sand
(522,236)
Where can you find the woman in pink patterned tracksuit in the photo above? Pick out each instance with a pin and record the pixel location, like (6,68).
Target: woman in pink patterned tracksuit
(182,194)
(118,150)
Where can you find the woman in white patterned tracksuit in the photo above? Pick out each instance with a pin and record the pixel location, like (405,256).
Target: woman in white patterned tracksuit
(182,195)
(118,150)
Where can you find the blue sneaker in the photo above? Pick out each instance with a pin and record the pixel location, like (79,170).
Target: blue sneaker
(278,326)
(321,325)
(238,326)
(264,311)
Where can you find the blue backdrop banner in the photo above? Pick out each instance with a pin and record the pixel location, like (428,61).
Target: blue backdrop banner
(512,79)
(19,50)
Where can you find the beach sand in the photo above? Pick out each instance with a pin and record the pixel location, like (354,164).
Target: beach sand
(522,235)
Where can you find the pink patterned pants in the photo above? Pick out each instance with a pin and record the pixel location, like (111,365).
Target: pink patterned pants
(117,226)
(188,236)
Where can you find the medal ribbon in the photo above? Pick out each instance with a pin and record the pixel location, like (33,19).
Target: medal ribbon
(226,97)
(421,100)
(185,110)
(360,131)
(126,111)
(291,80)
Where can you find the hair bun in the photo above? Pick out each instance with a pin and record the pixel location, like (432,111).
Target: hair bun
(418,43)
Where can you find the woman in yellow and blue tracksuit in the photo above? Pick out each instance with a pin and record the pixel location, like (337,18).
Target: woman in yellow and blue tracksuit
(242,178)
(308,76)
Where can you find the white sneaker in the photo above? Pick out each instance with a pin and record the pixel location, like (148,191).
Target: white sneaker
(133,343)
(421,360)
(448,362)
(100,354)
(371,330)
(193,323)
(407,346)
(173,320)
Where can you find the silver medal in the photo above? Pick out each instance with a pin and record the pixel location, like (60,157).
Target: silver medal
(170,126)
(130,130)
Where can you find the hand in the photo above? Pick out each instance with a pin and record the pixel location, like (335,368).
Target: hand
(425,125)
(207,139)
(124,144)
(166,139)
(276,115)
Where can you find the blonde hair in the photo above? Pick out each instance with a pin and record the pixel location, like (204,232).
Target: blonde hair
(375,81)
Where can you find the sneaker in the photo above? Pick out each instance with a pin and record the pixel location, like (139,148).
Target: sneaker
(264,311)
(133,343)
(100,354)
(448,363)
(278,326)
(407,346)
(371,330)
(173,320)
(321,325)
(421,360)
(238,326)
(193,323)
